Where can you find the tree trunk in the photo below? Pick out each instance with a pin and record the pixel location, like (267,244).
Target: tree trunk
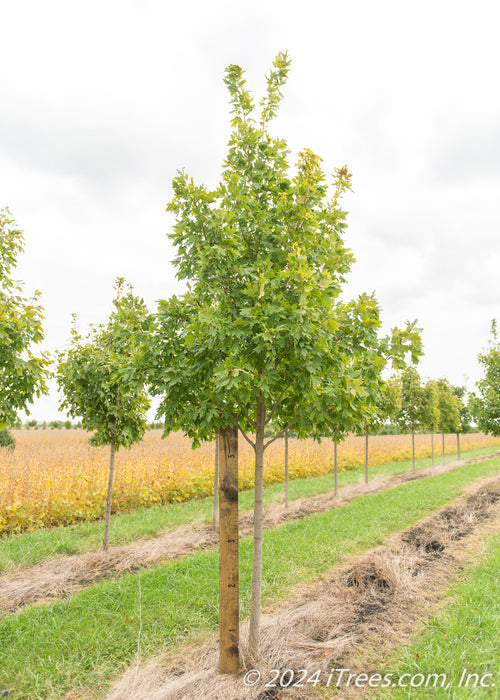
(335,467)
(432,447)
(215,512)
(413,448)
(443,449)
(109,497)
(286,469)
(366,456)
(228,552)
(257,531)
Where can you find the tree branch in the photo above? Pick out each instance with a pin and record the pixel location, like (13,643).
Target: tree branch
(273,410)
(252,423)
(281,433)
(278,361)
(246,436)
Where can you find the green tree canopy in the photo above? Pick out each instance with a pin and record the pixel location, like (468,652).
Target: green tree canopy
(99,384)
(262,337)
(449,407)
(485,406)
(465,413)
(411,414)
(94,373)
(388,403)
(265,262)
(431,406)
(22,373)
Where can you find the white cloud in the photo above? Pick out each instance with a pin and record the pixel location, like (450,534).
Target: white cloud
(103,102)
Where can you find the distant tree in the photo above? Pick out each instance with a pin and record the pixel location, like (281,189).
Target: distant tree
(464,424)
(449,410)
(387,408)
(485,406)
(431,411)
(99,385)
(22,374)
(389,401)
(465,412)
(411,414)
(7,439)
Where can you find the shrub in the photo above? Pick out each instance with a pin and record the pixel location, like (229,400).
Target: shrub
(7,439)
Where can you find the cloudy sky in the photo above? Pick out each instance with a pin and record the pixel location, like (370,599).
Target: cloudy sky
(102,102)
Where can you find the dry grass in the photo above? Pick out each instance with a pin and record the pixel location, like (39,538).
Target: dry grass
(55,477)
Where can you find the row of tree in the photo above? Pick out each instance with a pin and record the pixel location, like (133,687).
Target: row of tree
(262,342)
(436,407)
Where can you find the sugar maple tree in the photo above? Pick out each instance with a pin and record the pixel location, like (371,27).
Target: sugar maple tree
(100,386)
(261,338)
(485,406)
(449,405)
(22,373)
(386,408)
(411,415)
(431,410)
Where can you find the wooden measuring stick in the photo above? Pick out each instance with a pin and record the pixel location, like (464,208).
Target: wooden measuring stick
(228,552)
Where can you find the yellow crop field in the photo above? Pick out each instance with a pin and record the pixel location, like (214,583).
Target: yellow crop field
(55,477)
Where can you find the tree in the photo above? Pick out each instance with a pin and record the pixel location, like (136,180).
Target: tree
(464,423)
(411,414)
(7,439)
(22,373)
(465,412)
(261,337)
(387,407)
(99,386)
(485,407)
(431,410)
(449,409)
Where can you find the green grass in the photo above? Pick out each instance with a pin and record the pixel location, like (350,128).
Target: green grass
(464,636)
(28,549)
(83,642)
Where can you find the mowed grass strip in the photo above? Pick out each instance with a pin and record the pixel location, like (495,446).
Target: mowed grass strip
(462,641)
(82,643)
(32,548)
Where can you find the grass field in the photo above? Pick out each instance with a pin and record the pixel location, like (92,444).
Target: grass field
(55,477)
(461,642)
(78,645)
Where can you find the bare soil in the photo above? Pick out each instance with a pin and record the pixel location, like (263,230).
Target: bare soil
(63,576)
(374,601)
